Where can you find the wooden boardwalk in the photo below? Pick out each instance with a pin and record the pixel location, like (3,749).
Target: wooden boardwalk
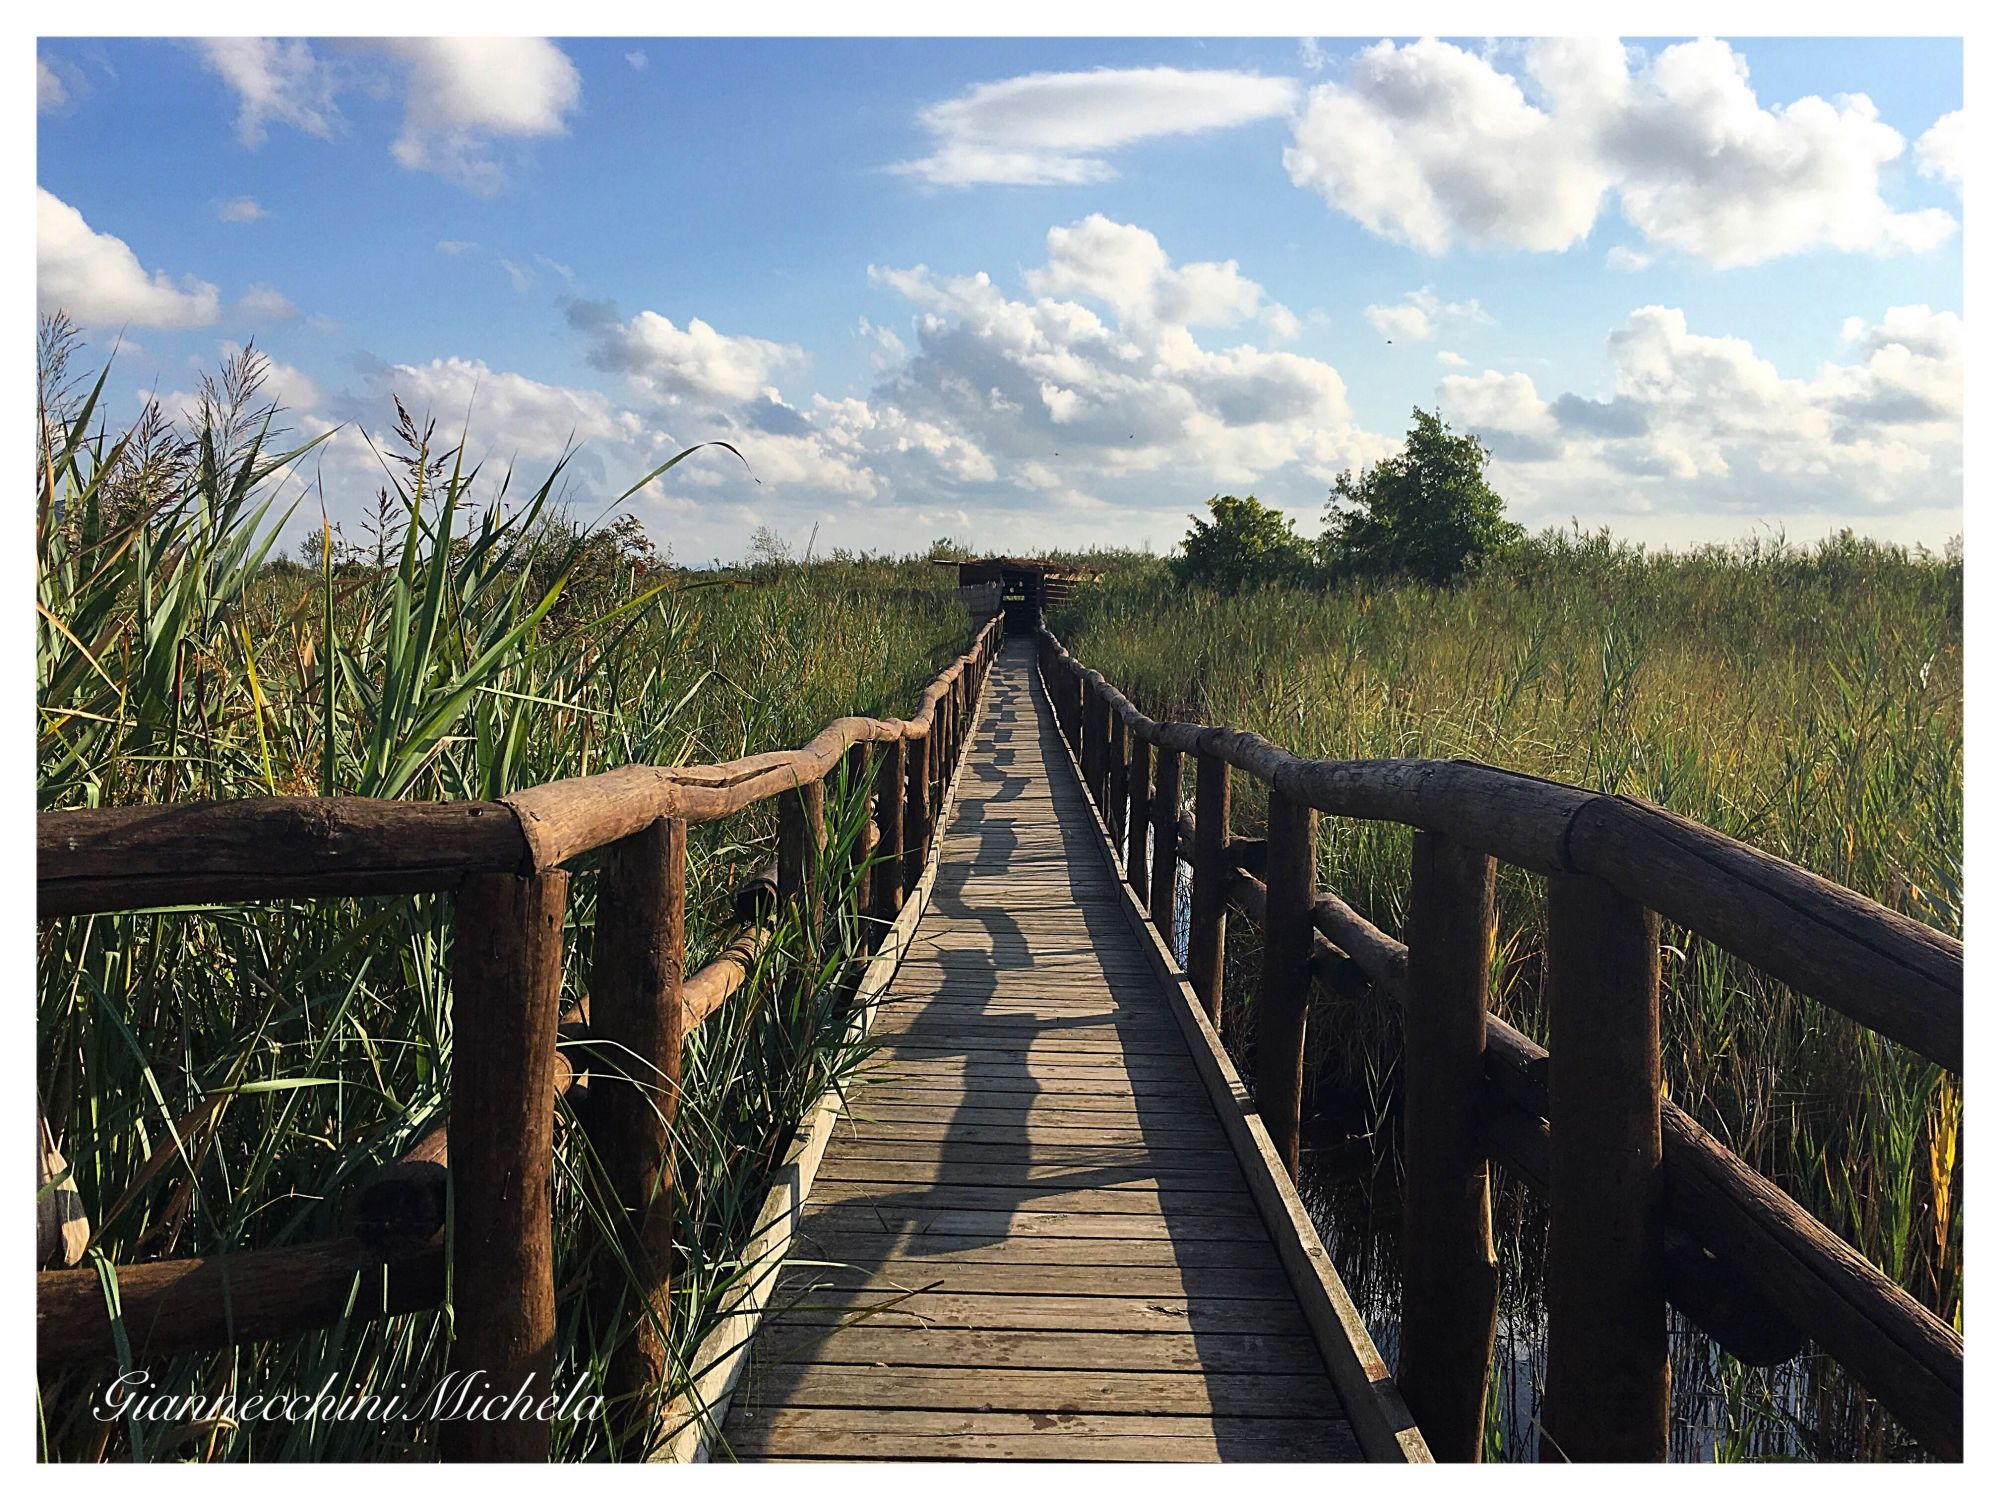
(1030,1236)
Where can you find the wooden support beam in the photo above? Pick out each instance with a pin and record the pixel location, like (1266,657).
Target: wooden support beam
(1605,1284)
(506,996)
(861,784)
(1166,813)
(916,813)
(891,775)
(1451,1281)
(1117,780)
(635,997)
(1208,914)
(1287,979)
(801,837)
(1138,815)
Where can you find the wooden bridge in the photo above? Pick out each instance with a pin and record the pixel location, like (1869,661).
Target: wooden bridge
(1031,1235)
(1048,1220)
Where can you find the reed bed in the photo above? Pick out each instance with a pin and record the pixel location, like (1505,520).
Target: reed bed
(220,1077)
(1804,699)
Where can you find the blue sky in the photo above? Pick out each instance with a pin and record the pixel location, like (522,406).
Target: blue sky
(1686,289)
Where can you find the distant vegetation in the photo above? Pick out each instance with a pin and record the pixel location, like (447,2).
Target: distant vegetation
(1805,699)
(1425,514)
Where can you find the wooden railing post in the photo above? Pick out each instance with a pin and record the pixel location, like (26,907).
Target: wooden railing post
(1605,1283)
(916,812)
(1451,1282)
(1208,911)
(635,1006)
(890,778)
(1138,782)
(506,993)
(1166,814)
(1100,785)
(1117,777)
(861,785)
(1090,743)
(1291,887)
(801,837)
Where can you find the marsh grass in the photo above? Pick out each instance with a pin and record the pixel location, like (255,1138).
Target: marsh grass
(220,1076)
(1807,700)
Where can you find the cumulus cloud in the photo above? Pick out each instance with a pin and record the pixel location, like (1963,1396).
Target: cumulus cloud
(281,82)
(98,280)
(264,303)
(1422,314)
(465,91)
(1701,422)
(1941,150)
(672,364)
(241,211)
(1124,267)
(460,94)
(1057,127)
(1435,146)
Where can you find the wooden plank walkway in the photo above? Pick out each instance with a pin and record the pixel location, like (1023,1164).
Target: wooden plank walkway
(1030,1237)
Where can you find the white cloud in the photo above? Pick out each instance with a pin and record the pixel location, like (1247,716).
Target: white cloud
(101,283)
(1625,258)
(1124,267)
(241,211)
(1056,127)
(1699,423)
(1941,149)
(456,247)
(1421,315)
(460,94)
(49,90)
(1451,360)
(637,61)
(465,91)
(1433,145)
(672,364)
(518,276)
(274,81)
(266,304)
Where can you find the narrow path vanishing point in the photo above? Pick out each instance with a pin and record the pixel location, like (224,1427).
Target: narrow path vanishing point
(1029,1237)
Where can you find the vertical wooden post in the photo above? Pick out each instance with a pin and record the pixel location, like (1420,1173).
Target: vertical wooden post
(1451,1282)
(506,992)
(1100,706)
(860,785)
(1291,887)
(1117,775)
(890,779)
(1139,784)
(916,812)
(1089,742)
(635,1004)
(1166,814)
(801,837)
(1208,912)
(1606,1398)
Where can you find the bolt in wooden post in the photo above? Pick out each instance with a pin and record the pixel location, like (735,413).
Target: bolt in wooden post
(1208,911)
(1166,814)
(1138,781)
(635,1005)
(890,778)
(1117,777)
(916,813)
(1451,1281)
(506,992)
(1291,887)
(1606,1398)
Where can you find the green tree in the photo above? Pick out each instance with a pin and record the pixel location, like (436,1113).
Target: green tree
(1247,543)
(1425,513)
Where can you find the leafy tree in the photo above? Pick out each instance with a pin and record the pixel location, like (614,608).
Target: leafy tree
(1425,513)
(1247,543)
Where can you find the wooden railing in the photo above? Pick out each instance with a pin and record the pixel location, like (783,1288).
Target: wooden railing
(1628,1176)
(503,863)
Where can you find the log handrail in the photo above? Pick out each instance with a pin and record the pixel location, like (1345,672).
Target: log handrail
(504,863)
(105,859)
(1893,974)
(1748,1263)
